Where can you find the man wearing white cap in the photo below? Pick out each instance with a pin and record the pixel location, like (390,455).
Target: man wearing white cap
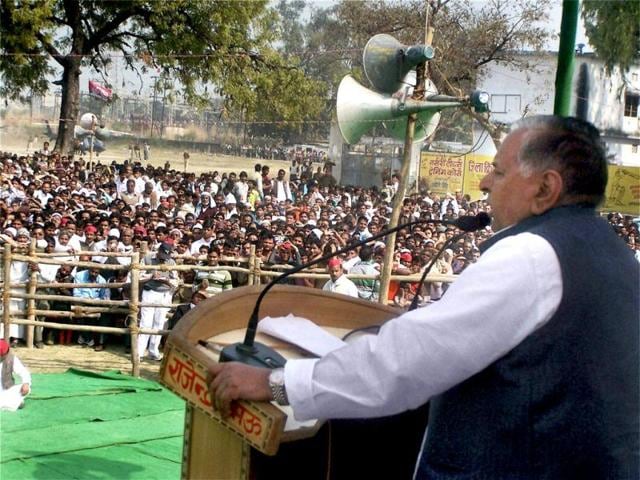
(202,236)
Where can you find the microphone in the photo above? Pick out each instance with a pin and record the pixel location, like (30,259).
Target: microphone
(257,354)
(471,223)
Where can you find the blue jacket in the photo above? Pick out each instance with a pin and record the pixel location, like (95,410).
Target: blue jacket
(565,403)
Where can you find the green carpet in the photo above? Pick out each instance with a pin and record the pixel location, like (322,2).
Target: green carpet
(80,425)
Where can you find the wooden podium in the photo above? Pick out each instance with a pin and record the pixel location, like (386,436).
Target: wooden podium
(255,442)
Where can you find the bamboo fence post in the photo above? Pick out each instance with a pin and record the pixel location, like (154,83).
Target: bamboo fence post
(31,302)
(250,264)
(144,249)
(256,265)
(6,293)
(134,301)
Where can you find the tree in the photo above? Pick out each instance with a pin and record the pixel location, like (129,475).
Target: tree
(468,36)
(206,42)
(613,28)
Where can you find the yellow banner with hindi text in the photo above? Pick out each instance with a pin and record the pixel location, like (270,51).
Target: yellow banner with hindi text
(623,190)
(452,172)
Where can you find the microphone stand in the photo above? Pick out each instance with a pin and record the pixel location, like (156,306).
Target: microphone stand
(257,354)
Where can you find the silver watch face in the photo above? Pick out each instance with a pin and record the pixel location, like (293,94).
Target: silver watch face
(276,377)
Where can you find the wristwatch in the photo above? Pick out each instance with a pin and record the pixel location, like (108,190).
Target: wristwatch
(276,385)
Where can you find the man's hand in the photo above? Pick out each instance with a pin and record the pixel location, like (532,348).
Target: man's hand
(235,381)
(24,389)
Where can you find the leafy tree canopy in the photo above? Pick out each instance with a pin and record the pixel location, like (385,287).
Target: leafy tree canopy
(193,43)
(467,36)
(613,28)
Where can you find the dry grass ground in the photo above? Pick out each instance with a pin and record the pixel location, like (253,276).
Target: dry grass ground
(58,358)
(14,140)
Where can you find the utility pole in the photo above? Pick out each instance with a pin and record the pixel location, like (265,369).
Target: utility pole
(398,199)
(153,105)
(566,57)
(164,96)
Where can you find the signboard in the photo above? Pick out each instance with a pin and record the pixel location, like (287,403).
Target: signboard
(623,190)
(451,172)
(187,377)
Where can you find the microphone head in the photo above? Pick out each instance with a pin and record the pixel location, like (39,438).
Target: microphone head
(484,220)
(470,223)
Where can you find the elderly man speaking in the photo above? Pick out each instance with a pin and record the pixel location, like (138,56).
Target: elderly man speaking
(530,360)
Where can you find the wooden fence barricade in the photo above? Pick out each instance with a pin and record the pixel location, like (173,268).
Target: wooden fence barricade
(88,307)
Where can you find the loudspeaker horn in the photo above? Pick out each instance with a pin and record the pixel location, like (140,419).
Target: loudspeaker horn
(359,109)
(386,61)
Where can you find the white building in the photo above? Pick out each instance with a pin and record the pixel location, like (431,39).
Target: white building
(604,100)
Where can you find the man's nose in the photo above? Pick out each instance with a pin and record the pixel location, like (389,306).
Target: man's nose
(485,183)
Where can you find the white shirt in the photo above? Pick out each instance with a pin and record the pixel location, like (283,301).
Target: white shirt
(342,285)
(42,197)
(513,289)
(347,265)
(195,246)
(241,190)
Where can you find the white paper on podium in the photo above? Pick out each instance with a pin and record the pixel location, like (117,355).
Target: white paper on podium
(300,332)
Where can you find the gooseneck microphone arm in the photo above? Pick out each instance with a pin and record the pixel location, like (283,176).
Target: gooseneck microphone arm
(257,354)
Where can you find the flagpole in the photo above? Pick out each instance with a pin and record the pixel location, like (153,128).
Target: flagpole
(93,132)
(91,153)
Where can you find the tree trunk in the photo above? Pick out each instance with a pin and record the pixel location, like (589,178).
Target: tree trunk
(70,106)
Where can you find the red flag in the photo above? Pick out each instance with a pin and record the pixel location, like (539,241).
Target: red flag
(99,90)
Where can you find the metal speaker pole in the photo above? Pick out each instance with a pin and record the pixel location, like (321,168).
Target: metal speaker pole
(359,109)
(386,61)
(426,121)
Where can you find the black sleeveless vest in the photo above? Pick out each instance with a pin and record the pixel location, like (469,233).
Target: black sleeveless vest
(564,403)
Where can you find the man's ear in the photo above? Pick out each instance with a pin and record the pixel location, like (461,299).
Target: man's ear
(550,188)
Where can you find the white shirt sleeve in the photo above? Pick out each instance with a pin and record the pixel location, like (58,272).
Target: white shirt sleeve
(513,289)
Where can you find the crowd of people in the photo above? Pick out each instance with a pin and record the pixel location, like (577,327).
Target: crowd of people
(213,218)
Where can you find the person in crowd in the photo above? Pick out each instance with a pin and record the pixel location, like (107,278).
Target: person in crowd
(338,282)
(267,184)
(181,310)
(91,275)
(158,288)
(18,275)
(212,282)
(368,289)
(257,179)
(281,190)
(148,196)
(12,394)
(522,332)
(112,319)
